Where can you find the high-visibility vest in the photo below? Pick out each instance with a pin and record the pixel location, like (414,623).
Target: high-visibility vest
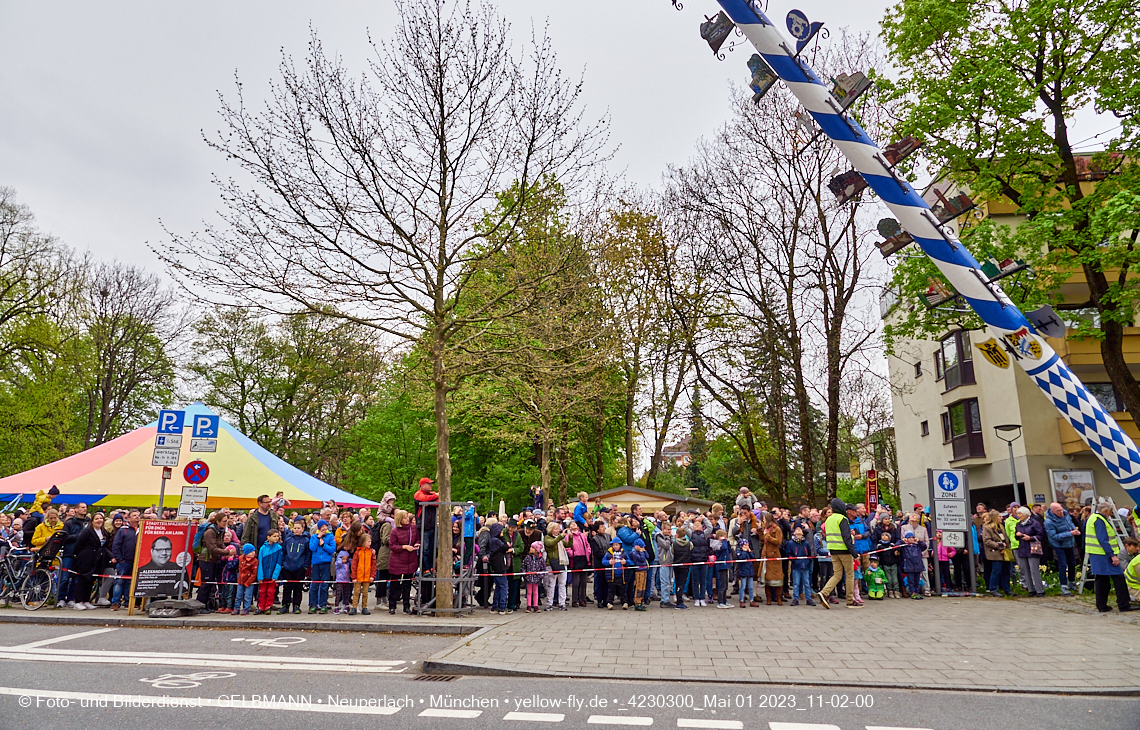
(834,537)
(1092,545)
(1132,575)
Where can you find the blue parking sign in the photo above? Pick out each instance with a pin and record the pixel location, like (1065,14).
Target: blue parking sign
(171,421)
(206,427)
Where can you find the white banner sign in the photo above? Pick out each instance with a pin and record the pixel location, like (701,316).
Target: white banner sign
(165,457)
(194,494)
(950,515)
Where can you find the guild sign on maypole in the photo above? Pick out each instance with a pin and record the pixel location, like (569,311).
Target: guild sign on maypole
(1017,335)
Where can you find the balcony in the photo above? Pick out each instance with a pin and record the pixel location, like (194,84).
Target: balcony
(1083,355)
(1072,443)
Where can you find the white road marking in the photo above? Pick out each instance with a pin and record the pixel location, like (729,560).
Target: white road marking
(220,661)
(76,653)
(618,720)
(535,716)
(887,727)
(235,704)
(276,642)
(56,640)
(711,724)
(436,712)
(800,726)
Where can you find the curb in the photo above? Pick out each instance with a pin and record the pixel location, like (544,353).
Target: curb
(432,665)
(219,623)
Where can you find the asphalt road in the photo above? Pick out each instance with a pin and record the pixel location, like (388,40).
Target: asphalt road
(188,679)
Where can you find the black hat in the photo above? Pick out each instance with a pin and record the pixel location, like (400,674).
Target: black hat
(54,491)
(512,522)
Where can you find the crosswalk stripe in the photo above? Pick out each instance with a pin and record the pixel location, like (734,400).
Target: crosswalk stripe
(711,724)
(58,639)
(535,716)
(438,712)
(618,720)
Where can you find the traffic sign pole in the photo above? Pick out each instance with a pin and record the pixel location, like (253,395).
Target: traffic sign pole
(955,492)
(169,427)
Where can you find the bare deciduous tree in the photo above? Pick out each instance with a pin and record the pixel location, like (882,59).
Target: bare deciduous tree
(374,197)
(787,269)
(130,325)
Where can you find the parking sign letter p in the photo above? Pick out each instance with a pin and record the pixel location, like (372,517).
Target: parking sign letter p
(168,420)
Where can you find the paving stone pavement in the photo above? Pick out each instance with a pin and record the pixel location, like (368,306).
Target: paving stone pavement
(946,642)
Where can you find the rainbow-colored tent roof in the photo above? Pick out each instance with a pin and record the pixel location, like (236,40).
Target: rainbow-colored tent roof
(119,473)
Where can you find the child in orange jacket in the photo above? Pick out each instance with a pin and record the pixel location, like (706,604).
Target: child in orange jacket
(363,570)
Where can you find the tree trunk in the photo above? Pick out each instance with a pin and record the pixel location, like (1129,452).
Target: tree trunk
(442,481)
(600,451)
(803,411)
(780,428)
(831,445)
(563,459)
(630,403)
(666,419)
(544,468)
(1112,345)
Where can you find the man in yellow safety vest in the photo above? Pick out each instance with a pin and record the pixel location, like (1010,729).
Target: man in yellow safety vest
(1104,560)
(842,548)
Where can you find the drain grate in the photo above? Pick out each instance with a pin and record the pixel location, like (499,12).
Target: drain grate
(435,678)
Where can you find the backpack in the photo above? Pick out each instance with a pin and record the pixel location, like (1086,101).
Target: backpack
(197,545)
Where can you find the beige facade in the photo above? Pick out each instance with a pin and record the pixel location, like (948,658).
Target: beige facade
(1004,396)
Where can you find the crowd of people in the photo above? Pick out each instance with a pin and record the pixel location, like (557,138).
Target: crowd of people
(543,559)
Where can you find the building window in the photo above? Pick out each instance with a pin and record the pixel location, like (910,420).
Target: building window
(954,361)
(926,428)
(918,369)
(1108,396)
(962,427)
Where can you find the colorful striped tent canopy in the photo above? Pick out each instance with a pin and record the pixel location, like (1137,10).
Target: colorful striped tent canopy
(119,474)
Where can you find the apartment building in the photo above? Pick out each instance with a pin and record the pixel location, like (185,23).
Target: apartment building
(953,408)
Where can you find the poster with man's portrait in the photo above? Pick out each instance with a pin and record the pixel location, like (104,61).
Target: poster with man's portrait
(164,559)
(1073,488)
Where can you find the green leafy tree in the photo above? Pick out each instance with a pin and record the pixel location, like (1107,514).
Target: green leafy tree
(297,385)
(993,88)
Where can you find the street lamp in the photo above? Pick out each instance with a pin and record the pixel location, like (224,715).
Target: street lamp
(1015,430)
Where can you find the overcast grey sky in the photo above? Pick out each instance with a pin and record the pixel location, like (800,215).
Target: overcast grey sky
(102,104)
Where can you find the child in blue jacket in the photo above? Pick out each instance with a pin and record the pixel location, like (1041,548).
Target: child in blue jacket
(614,562)
(723,553)
(798,552)
(322,546)
(268,570)
(745,569)
(294,563)
(639,562)
(910,552)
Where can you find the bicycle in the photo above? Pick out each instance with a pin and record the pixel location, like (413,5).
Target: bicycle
(23,576)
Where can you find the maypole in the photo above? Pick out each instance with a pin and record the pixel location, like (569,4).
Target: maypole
(1014,337)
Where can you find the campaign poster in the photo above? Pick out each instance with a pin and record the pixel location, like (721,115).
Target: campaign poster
(1073,488)
(163,559)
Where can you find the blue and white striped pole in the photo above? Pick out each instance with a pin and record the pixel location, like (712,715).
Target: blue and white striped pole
(1004,321)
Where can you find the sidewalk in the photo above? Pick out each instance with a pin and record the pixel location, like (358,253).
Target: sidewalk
(379,621)
(940,643)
